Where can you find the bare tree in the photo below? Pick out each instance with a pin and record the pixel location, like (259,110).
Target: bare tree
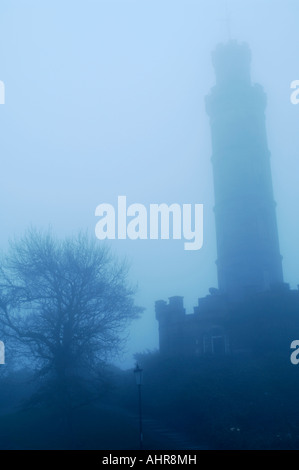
(65,304)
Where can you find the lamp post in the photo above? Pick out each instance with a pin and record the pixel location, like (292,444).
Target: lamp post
(138,376)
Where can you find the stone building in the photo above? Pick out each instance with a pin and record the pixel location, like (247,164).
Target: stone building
(253,309)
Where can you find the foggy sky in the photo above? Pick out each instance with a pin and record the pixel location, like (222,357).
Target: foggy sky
(106,98)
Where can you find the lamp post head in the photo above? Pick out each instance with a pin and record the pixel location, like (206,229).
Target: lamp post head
(138,374)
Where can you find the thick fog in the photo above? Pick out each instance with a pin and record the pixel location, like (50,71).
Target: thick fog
(107,99)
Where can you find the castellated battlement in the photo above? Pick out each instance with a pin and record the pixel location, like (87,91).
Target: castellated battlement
(199,333)
(256,323)
(171,311)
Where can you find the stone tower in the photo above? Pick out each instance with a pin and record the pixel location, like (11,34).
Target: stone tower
(247,237)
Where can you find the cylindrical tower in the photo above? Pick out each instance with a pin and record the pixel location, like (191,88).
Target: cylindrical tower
(246,227)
